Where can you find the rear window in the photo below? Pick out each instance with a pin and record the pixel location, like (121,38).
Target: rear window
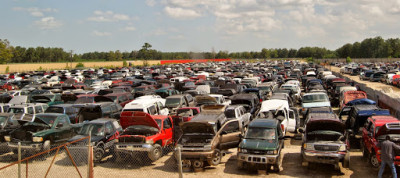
(54,110)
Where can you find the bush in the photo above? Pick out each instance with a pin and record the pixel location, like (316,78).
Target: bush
(124,64)
(40,68)
(348,60)
(7,69)
(79,65)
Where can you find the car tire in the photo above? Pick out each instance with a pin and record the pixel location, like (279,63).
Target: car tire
(346,161)
(155,153)
(216,158)
(373,160)
(98,154)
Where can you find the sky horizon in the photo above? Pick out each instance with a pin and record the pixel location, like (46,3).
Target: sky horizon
(198,26)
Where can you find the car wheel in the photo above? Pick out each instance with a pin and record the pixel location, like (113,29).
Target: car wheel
(216,158)
(155,153)
(373,160)
(346,161)
(98,154)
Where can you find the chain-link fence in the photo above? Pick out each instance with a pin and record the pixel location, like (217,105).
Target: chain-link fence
(71,160)
(62,161)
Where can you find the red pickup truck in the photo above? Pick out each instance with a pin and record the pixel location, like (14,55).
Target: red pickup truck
(375,130)
(144,134)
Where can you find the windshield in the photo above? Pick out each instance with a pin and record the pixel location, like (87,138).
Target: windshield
(172,102)
(94,129)
(260,133)
(114,98)
(16,110)
(315,98)
(264,88)
(49,120)
(324,135)
(54,110)
(138,89)
(84,100)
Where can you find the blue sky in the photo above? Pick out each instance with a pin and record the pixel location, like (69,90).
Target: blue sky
(188,25)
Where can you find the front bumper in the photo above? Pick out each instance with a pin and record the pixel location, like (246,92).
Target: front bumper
(196,153)
(133,147)
(257,159)
(323,157)
(26,146)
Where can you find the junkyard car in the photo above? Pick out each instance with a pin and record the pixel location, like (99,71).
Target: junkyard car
(201,145)
(7,124)
(144,134)
(46,130)
(261,146)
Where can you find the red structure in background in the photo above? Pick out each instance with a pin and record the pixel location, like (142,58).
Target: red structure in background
(192,60)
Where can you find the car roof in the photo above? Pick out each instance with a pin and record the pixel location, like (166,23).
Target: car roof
(264,123)
(381,120)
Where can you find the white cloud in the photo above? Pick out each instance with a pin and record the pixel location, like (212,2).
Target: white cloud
(34,11)
(151,3)
(97,33)
(129,28)
(47,23)
(108,16)
(181,13)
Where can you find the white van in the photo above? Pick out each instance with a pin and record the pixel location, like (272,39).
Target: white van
(148,104)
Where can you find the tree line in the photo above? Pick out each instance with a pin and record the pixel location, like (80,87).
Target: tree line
(369,48)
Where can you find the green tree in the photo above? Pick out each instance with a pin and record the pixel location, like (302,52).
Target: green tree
(6,51)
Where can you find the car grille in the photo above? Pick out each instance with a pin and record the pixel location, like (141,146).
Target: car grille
(21,135)
(257,152)
(326,147)
(132,139)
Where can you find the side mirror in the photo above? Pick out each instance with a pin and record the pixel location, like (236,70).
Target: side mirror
(301,130)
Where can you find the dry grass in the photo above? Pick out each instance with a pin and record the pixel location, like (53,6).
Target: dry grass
(53,66)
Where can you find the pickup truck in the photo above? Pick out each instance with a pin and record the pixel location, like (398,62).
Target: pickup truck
(279,110)
(144,134)
(261,146)
(310,100)
(46,130)
(324,142)
(7,124)
(212,114)
(238,112)
(202,145)
(374,131)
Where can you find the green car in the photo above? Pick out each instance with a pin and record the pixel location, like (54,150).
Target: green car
(50,99)
(261,146)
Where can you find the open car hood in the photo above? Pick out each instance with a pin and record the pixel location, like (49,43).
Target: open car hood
(325,124)
(389,128)
(352,95)
(202,99)
(197,127)
(129,118)
(361,101)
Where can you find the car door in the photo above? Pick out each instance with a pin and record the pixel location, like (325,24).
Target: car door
(111,134)
(228,135)
(291,127)
(167,129)
(63,130)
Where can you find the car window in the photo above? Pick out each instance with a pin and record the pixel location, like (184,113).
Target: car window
(63,121)
(45,107)
(58,98)
(114,108)
(189,98)
(106,110)
(231,127)
(195,111)
(152,110)
(109,128)
(30,110)
(38,109)
(167,123)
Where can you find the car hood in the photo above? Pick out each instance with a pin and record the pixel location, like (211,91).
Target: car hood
(325,124)
(202,99)
(316,104)
(129,118)
(389,128)
(197,127)
(257,144)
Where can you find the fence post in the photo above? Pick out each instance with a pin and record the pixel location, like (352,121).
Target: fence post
(89,155)
(19,159)
(178,152)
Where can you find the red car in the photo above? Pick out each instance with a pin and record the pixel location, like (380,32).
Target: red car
(144,134)
(375,130)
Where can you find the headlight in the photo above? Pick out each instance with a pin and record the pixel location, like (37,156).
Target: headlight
(149,141)
(272,152)
(308,146)
(37,139)
(7,138)
(342,148)
(207,147)
(241,150)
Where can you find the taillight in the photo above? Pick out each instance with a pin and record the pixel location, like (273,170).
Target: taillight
(282,127)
